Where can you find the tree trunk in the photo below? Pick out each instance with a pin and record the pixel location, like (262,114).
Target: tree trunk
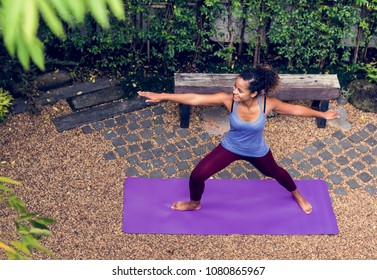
(365,52)
(256,61)
(260,34)
(242,37)
(359,36)
(198,39)
(231,32)
(243,29)
(147,27)
(372,29)
(357,45)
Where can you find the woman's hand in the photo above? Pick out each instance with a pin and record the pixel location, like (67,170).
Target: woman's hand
(331,114)
(151,96)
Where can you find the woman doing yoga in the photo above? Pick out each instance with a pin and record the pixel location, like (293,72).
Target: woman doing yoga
(248,106)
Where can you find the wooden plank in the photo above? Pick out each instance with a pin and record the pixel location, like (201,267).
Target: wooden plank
(283,94)
(320,80)
(54,96)
(204,80)
(95,98)
(202,89)
(53,80)
(292,87)
(306,93)
(21,105)
(99,113)
(227,80)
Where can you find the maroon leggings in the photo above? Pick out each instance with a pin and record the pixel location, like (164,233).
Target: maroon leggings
(220,158)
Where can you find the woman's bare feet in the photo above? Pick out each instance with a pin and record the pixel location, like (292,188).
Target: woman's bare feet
(304,204)
(186,206)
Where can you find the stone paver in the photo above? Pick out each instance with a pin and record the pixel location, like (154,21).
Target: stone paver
(141,139)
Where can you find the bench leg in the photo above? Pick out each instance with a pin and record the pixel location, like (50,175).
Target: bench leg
(315,104)
(324,106)
(184,112)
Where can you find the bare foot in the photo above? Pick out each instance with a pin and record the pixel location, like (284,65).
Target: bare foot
(304,204)
(186,206)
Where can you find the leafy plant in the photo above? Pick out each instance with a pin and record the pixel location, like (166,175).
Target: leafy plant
(308,34)
(182,35)
(19,22)
(366,28)
(5,103)
(345,93)
(137,82)
(30,227)
(87,46)
(369,69)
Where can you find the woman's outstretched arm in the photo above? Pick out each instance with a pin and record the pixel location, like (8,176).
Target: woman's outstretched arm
(220,98)
(283,108)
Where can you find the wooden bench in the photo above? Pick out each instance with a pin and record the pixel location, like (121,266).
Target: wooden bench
(317,87)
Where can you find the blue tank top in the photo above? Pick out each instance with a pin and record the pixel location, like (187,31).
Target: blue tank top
(246,138)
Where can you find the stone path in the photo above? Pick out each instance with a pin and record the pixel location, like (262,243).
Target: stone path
(344,159)
(142,139)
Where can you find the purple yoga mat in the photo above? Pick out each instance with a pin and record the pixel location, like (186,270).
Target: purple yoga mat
(229,206)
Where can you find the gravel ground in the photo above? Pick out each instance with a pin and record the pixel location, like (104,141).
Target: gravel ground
(65,176)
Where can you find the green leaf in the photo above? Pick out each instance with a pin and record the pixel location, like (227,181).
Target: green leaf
(99,12)
(45,221)
(21,247)
(21,229)
(41,232)
(37,55)
(117,7)
(22,53)
(31,20)
(11,253)
(10,181)
(77,8)
(26,217)
(52,21)
(15,256)
(17,204)
(62,9)
(12,13)
(6,248)
(38,225)
(31,243)
(4,188)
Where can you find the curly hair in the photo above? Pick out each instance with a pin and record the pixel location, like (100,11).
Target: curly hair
(261,78)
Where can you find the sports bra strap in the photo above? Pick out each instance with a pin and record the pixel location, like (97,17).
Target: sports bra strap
(264,104)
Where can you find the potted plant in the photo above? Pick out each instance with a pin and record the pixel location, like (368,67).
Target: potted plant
(344,96)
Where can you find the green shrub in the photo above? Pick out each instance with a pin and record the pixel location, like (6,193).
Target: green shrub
(5,102)
(30,227)
(135,82)
(369,70)
(309,34)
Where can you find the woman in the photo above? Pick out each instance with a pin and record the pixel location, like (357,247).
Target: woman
(248,106)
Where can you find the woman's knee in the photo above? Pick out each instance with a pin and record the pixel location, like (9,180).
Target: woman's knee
(276,173)
(197,175)
(281,173)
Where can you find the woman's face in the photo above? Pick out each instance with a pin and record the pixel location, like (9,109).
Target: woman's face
(240,90)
